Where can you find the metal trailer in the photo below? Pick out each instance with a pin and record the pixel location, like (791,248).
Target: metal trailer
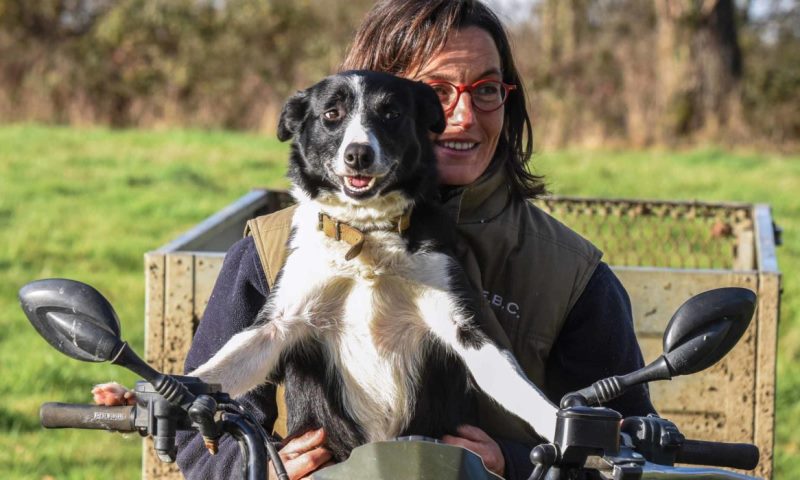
(663,251)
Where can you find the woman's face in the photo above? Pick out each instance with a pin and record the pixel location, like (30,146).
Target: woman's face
(468,143)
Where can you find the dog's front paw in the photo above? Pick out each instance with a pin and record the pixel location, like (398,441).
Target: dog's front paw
(112,394)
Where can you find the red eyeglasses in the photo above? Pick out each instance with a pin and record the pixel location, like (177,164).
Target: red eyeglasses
(487,95)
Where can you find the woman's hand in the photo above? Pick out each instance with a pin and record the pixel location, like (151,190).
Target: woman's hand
(303,455)
(112,394)
(478,441)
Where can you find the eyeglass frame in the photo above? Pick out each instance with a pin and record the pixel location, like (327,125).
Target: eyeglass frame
(461,88)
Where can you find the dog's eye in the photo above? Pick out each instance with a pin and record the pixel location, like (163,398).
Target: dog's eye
(391,114)
(332,114)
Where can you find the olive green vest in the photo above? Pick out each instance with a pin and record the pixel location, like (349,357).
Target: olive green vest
(530,268)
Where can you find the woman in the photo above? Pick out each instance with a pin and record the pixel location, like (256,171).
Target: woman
(550,299)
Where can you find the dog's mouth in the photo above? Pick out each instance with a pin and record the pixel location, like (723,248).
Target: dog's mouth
(359,185)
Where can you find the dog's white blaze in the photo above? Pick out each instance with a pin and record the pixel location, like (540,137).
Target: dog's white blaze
(356,131)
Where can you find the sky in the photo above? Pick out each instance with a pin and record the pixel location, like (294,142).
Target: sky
(511,11)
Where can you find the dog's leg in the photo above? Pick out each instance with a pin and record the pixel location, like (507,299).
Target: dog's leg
(496,372)
(248,358)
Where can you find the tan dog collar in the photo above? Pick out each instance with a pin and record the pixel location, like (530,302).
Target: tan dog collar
(354,237)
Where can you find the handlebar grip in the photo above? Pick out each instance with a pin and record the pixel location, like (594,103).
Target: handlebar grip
(71,415)
(719,454)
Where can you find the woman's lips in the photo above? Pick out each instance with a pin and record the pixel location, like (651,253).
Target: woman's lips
(457,145)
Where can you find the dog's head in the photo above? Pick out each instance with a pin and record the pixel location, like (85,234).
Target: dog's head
(359,134)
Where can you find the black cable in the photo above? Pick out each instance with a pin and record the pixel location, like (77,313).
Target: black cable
(539,472)
(274,457)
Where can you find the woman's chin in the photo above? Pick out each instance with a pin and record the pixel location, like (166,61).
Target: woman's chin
(458,175)
(460,167)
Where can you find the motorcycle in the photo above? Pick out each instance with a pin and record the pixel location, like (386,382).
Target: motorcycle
(590,440)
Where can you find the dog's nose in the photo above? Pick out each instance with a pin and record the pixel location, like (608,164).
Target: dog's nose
(358,156)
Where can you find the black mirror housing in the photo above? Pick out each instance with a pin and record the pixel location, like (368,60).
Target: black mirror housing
(706,328)
(73,317)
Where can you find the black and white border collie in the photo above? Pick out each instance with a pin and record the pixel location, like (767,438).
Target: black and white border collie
(371,324)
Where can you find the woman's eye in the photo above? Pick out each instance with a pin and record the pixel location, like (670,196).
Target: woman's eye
(332,114)
(488,90)
(443,92)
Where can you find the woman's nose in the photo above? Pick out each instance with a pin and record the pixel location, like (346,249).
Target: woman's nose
(463,113)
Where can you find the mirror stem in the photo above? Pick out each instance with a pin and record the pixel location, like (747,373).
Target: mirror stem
(170,388)
(610,388)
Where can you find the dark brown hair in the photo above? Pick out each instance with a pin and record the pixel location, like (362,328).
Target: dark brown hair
(399,36)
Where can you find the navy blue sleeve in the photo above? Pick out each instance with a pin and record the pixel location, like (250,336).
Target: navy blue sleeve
(517,457)
(597,341)
(238,295)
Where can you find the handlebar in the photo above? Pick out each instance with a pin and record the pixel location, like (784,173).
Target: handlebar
(70,415)
(718,454)
(660,441)
(161,420)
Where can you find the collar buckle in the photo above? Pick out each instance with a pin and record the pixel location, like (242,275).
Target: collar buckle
(341,231)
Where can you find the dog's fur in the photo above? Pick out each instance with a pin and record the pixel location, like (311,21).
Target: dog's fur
(386,343)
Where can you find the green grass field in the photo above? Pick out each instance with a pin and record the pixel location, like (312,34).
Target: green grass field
(87,204)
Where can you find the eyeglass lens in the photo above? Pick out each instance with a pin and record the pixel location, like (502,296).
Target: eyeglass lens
(485,95)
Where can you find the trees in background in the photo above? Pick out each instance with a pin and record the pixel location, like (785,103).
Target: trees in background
(771,80)
(661,72)
(599,72)
(208,63)
(699,68)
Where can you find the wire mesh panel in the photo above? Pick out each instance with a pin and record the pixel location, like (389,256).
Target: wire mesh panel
(660,233)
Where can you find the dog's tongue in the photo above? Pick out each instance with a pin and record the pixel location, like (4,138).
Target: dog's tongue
(359,181)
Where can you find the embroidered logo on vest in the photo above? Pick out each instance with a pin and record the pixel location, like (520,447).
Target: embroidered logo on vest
(498,303)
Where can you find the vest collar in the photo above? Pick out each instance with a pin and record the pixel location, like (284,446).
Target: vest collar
(482,200)
(354,237)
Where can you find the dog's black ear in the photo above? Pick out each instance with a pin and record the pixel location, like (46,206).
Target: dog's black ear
(293,115)
(429,108)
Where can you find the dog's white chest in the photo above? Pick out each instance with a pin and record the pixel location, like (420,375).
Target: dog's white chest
(373,314)
(378,350)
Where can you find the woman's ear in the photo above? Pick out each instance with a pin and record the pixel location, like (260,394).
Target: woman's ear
(293,115)
(429,108)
